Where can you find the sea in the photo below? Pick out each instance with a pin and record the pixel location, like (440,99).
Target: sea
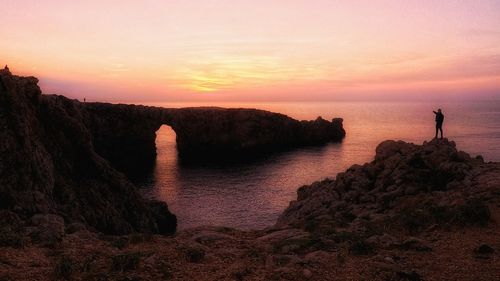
(252,194)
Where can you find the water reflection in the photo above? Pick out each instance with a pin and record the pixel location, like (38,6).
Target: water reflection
(239,194)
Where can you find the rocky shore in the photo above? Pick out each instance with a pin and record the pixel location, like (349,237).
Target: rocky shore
(416,212)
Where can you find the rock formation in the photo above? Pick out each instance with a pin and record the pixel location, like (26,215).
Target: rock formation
(60,156)
(48,166)
(402,176)
(125,134)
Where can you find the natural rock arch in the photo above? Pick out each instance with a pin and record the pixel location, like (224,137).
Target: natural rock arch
(60,156)
(125,134)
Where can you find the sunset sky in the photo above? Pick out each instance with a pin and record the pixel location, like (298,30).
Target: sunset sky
(254,50)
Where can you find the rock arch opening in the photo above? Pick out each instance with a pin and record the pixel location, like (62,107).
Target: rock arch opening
(164,169)
(162,182)
(166,147)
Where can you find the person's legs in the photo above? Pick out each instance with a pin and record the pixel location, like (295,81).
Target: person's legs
(440,128)
(437,128)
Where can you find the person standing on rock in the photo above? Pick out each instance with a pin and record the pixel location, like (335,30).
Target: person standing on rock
(439,122)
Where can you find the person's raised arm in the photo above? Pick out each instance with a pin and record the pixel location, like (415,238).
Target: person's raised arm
(434,112)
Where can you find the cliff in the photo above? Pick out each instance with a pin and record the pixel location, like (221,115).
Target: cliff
(48,166)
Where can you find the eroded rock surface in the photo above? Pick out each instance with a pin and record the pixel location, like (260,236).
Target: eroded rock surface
(48,166)
(403,177)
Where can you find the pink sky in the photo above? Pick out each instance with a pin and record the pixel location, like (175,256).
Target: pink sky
(243,50)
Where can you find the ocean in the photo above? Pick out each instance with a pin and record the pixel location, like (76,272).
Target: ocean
(251,195)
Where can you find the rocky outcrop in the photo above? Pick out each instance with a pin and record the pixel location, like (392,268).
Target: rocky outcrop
(48,166)
(125,134)
(435,180)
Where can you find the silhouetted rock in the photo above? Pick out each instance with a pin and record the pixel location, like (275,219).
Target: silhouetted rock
(435,173)
(126,134)
(48,166)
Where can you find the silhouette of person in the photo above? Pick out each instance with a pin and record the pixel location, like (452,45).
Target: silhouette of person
(6,67)
(439,122)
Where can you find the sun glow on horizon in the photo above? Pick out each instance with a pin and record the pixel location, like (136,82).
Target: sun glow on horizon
(254,50)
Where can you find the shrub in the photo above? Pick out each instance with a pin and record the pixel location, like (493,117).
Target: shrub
(125,262)
(64,268)
(473,212)
(121,242)
(348,216)
(11,231)
(311,225)
(361,247)
(344,236)
(414,221)
(140,238)
(194,254)
(10,238)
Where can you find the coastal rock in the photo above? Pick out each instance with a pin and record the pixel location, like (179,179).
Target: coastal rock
(125,134)
(48,166)
(414,186)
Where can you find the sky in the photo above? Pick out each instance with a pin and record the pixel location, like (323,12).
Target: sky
(255,50)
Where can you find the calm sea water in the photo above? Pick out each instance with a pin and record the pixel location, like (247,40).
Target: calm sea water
(252,195)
